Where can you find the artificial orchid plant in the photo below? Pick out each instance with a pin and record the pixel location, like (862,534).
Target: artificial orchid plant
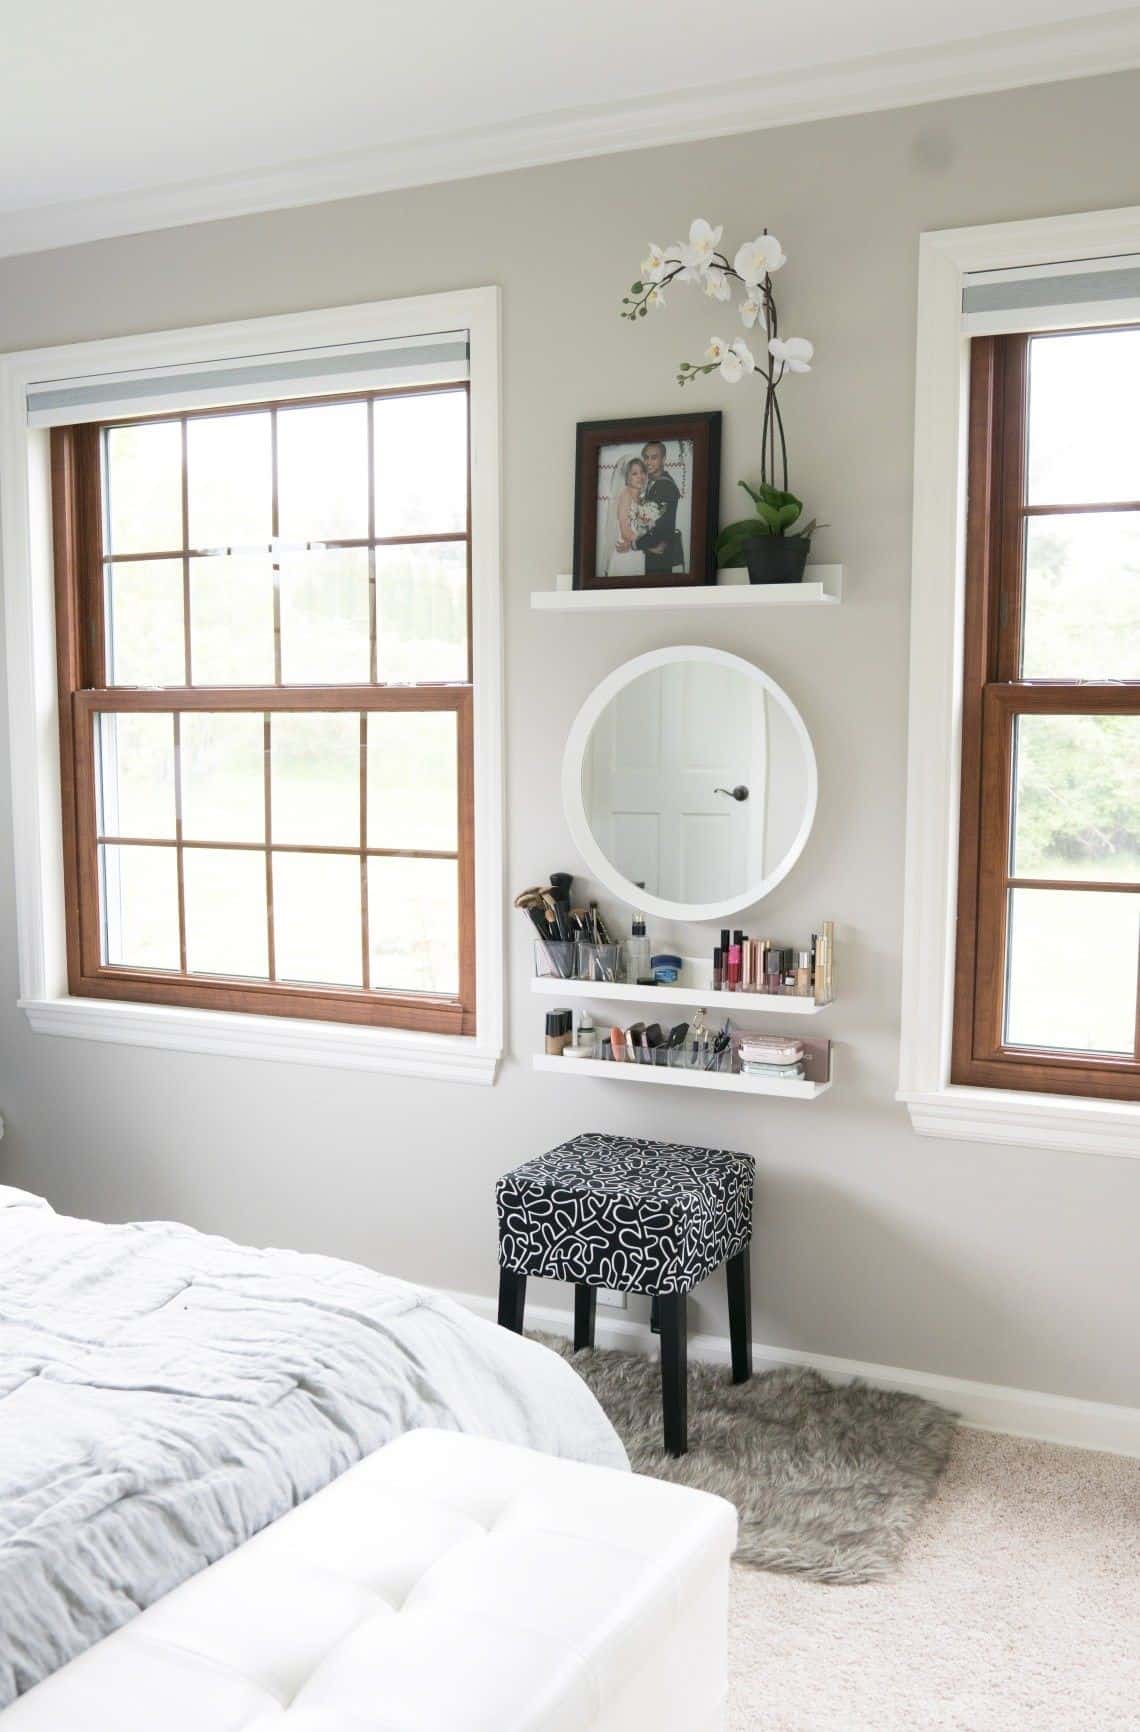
(699,261)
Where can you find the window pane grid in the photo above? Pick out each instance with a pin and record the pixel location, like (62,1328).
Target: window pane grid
(1047,991)
(126,670)
(117,852)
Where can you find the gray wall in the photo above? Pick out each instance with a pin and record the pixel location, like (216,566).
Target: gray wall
(1016,1266)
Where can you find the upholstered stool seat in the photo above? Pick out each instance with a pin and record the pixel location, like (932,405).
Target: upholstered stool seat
(636,1216)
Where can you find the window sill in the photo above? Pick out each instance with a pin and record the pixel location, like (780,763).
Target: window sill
(1083,1126)
(341,1046)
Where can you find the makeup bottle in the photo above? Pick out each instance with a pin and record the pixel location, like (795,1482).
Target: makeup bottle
(732,971)
(586,1039)
(559,1024)
(803,974)
(635,953)
(718,969)
(772,965)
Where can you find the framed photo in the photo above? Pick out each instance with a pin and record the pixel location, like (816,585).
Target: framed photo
(647,501)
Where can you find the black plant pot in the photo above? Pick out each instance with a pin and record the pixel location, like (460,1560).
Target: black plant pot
(776,558)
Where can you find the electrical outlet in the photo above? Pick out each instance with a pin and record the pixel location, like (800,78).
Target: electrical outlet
(613,1301)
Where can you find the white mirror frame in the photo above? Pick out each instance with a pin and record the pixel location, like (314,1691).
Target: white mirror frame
(575,756)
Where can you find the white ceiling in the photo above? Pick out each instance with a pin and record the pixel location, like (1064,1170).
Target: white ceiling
(137,113)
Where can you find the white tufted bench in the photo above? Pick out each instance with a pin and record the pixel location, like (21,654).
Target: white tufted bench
(444,1584)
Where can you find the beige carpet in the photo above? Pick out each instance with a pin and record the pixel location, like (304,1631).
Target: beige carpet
(1016,1609)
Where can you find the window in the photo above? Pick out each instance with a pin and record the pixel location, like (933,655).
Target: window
(1047,981)
(264,645)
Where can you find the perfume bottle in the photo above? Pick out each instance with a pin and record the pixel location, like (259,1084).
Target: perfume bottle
(635,952)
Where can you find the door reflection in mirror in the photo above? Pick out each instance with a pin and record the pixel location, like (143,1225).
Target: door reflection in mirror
(662,773)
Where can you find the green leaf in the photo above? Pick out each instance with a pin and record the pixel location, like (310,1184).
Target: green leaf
(636,289)
(731,541)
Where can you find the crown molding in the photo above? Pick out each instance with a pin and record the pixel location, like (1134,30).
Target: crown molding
(1105,43)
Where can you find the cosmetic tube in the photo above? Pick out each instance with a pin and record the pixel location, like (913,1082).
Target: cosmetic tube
(772,973)
(803,974)
(718,969)
(732,980)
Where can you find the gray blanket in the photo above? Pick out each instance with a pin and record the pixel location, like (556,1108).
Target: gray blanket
(163,1395)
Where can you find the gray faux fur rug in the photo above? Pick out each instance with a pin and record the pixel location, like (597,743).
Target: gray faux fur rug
(829,1479)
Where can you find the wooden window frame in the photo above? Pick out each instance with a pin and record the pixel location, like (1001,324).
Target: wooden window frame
(77,529)
(994,696)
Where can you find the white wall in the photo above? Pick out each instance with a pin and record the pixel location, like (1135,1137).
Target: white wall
(1011,1265)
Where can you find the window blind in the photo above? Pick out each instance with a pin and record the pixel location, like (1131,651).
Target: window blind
(439,357)
(1071,293)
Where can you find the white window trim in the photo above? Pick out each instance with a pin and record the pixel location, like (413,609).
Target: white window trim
(28,590)
(938,1108)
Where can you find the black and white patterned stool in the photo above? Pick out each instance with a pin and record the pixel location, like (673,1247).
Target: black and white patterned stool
(638,1217)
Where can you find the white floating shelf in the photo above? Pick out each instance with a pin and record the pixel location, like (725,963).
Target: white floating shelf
(614,992)
(684,1079)
(822,587)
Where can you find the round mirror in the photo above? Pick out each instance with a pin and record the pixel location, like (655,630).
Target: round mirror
(689,783)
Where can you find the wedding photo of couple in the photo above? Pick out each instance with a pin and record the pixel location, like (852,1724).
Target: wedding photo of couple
(644,508)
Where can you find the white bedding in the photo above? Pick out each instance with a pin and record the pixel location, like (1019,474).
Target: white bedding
(164,1395)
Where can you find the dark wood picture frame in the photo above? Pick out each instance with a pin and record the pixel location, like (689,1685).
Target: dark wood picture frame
(703,429)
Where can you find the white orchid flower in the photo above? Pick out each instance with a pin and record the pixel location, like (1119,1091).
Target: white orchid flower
(655,297)
(697,255)
(793,353)
(757,259)
(716,351)
(737,361)
(654,264)
(717,284)
(750,311)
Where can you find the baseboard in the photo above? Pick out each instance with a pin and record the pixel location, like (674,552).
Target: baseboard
(983,1406)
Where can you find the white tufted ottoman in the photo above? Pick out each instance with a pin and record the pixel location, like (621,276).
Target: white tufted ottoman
(445,1584)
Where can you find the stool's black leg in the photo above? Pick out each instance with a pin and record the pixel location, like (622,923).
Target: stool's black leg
(585,1311)
(674,1372)
(740,1315)
(512,1300)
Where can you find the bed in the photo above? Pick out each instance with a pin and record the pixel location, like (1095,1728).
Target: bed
(164,1395)
(259,1491)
